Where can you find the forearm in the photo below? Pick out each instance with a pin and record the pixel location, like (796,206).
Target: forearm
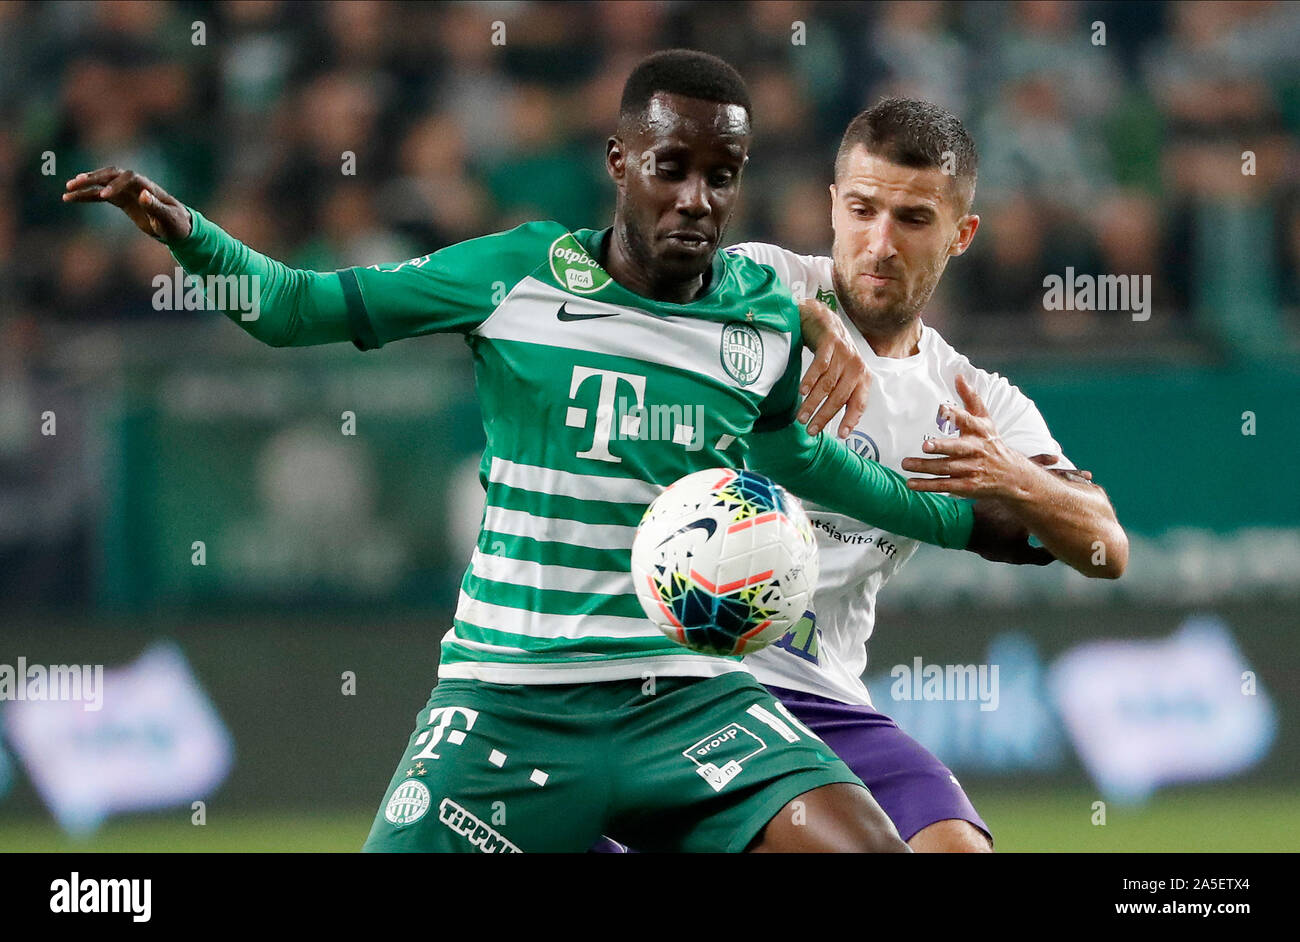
(290,307)
(1075,521)
(826,472)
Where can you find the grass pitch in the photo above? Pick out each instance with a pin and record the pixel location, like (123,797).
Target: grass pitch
(1190,819)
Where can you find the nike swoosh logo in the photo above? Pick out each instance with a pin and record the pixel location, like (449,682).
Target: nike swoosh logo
(564,315)
(705,523)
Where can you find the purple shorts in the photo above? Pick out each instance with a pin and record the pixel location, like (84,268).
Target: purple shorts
(913,787)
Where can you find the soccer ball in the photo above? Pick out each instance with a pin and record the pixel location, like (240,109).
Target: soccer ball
(725,561)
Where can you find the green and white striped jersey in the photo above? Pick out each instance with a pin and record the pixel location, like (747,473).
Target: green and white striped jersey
(594,400)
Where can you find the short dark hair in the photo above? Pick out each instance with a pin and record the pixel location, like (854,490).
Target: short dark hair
(686,72)
(914,133)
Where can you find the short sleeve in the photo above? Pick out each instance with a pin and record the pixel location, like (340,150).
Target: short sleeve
(1017,419)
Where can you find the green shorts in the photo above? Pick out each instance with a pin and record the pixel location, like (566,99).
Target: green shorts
(677,764)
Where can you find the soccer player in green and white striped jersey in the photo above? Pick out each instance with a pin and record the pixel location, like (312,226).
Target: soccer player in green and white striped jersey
(561,712)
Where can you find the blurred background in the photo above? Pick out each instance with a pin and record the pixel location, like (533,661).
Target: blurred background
(266,594)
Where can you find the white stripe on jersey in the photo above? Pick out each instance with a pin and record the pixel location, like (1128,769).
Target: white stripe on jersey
(541,576)
(532,477)
(608,536)
(591,671)
(686,664)
(681,343)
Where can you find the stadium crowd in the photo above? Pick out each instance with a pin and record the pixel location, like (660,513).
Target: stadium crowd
(1112,135)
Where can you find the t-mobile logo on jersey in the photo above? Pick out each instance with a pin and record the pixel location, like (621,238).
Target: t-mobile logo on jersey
(577,417)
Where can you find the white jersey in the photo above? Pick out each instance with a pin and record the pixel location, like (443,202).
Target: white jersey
(856,560)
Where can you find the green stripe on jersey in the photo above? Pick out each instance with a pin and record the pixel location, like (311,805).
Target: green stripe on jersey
(538,551)
(553,601)
(593,511)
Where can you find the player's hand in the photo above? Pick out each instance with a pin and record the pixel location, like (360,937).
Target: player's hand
(838,377)
(978,463)
(1000,537)
(154,211)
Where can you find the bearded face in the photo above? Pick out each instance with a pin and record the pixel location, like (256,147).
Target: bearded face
(895,229)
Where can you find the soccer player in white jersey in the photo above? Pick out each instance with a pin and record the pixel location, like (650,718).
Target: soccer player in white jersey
(900,208)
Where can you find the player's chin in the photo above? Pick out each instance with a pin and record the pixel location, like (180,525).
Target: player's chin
(884,307)
(883,296)
(683,265)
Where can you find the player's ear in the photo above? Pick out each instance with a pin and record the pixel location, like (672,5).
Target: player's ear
(966,228)
(615,159)
(833,192)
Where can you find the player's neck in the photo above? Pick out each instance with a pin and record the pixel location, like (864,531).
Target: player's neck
(639,279)
(895,342)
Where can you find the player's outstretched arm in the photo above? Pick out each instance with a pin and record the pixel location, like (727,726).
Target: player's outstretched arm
(826,472)
(290,307)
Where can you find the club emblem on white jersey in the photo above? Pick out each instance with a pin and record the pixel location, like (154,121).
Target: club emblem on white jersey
(741,352)
(946,425)
(863,444)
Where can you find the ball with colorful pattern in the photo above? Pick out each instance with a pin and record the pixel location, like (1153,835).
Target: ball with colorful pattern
(725,561)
